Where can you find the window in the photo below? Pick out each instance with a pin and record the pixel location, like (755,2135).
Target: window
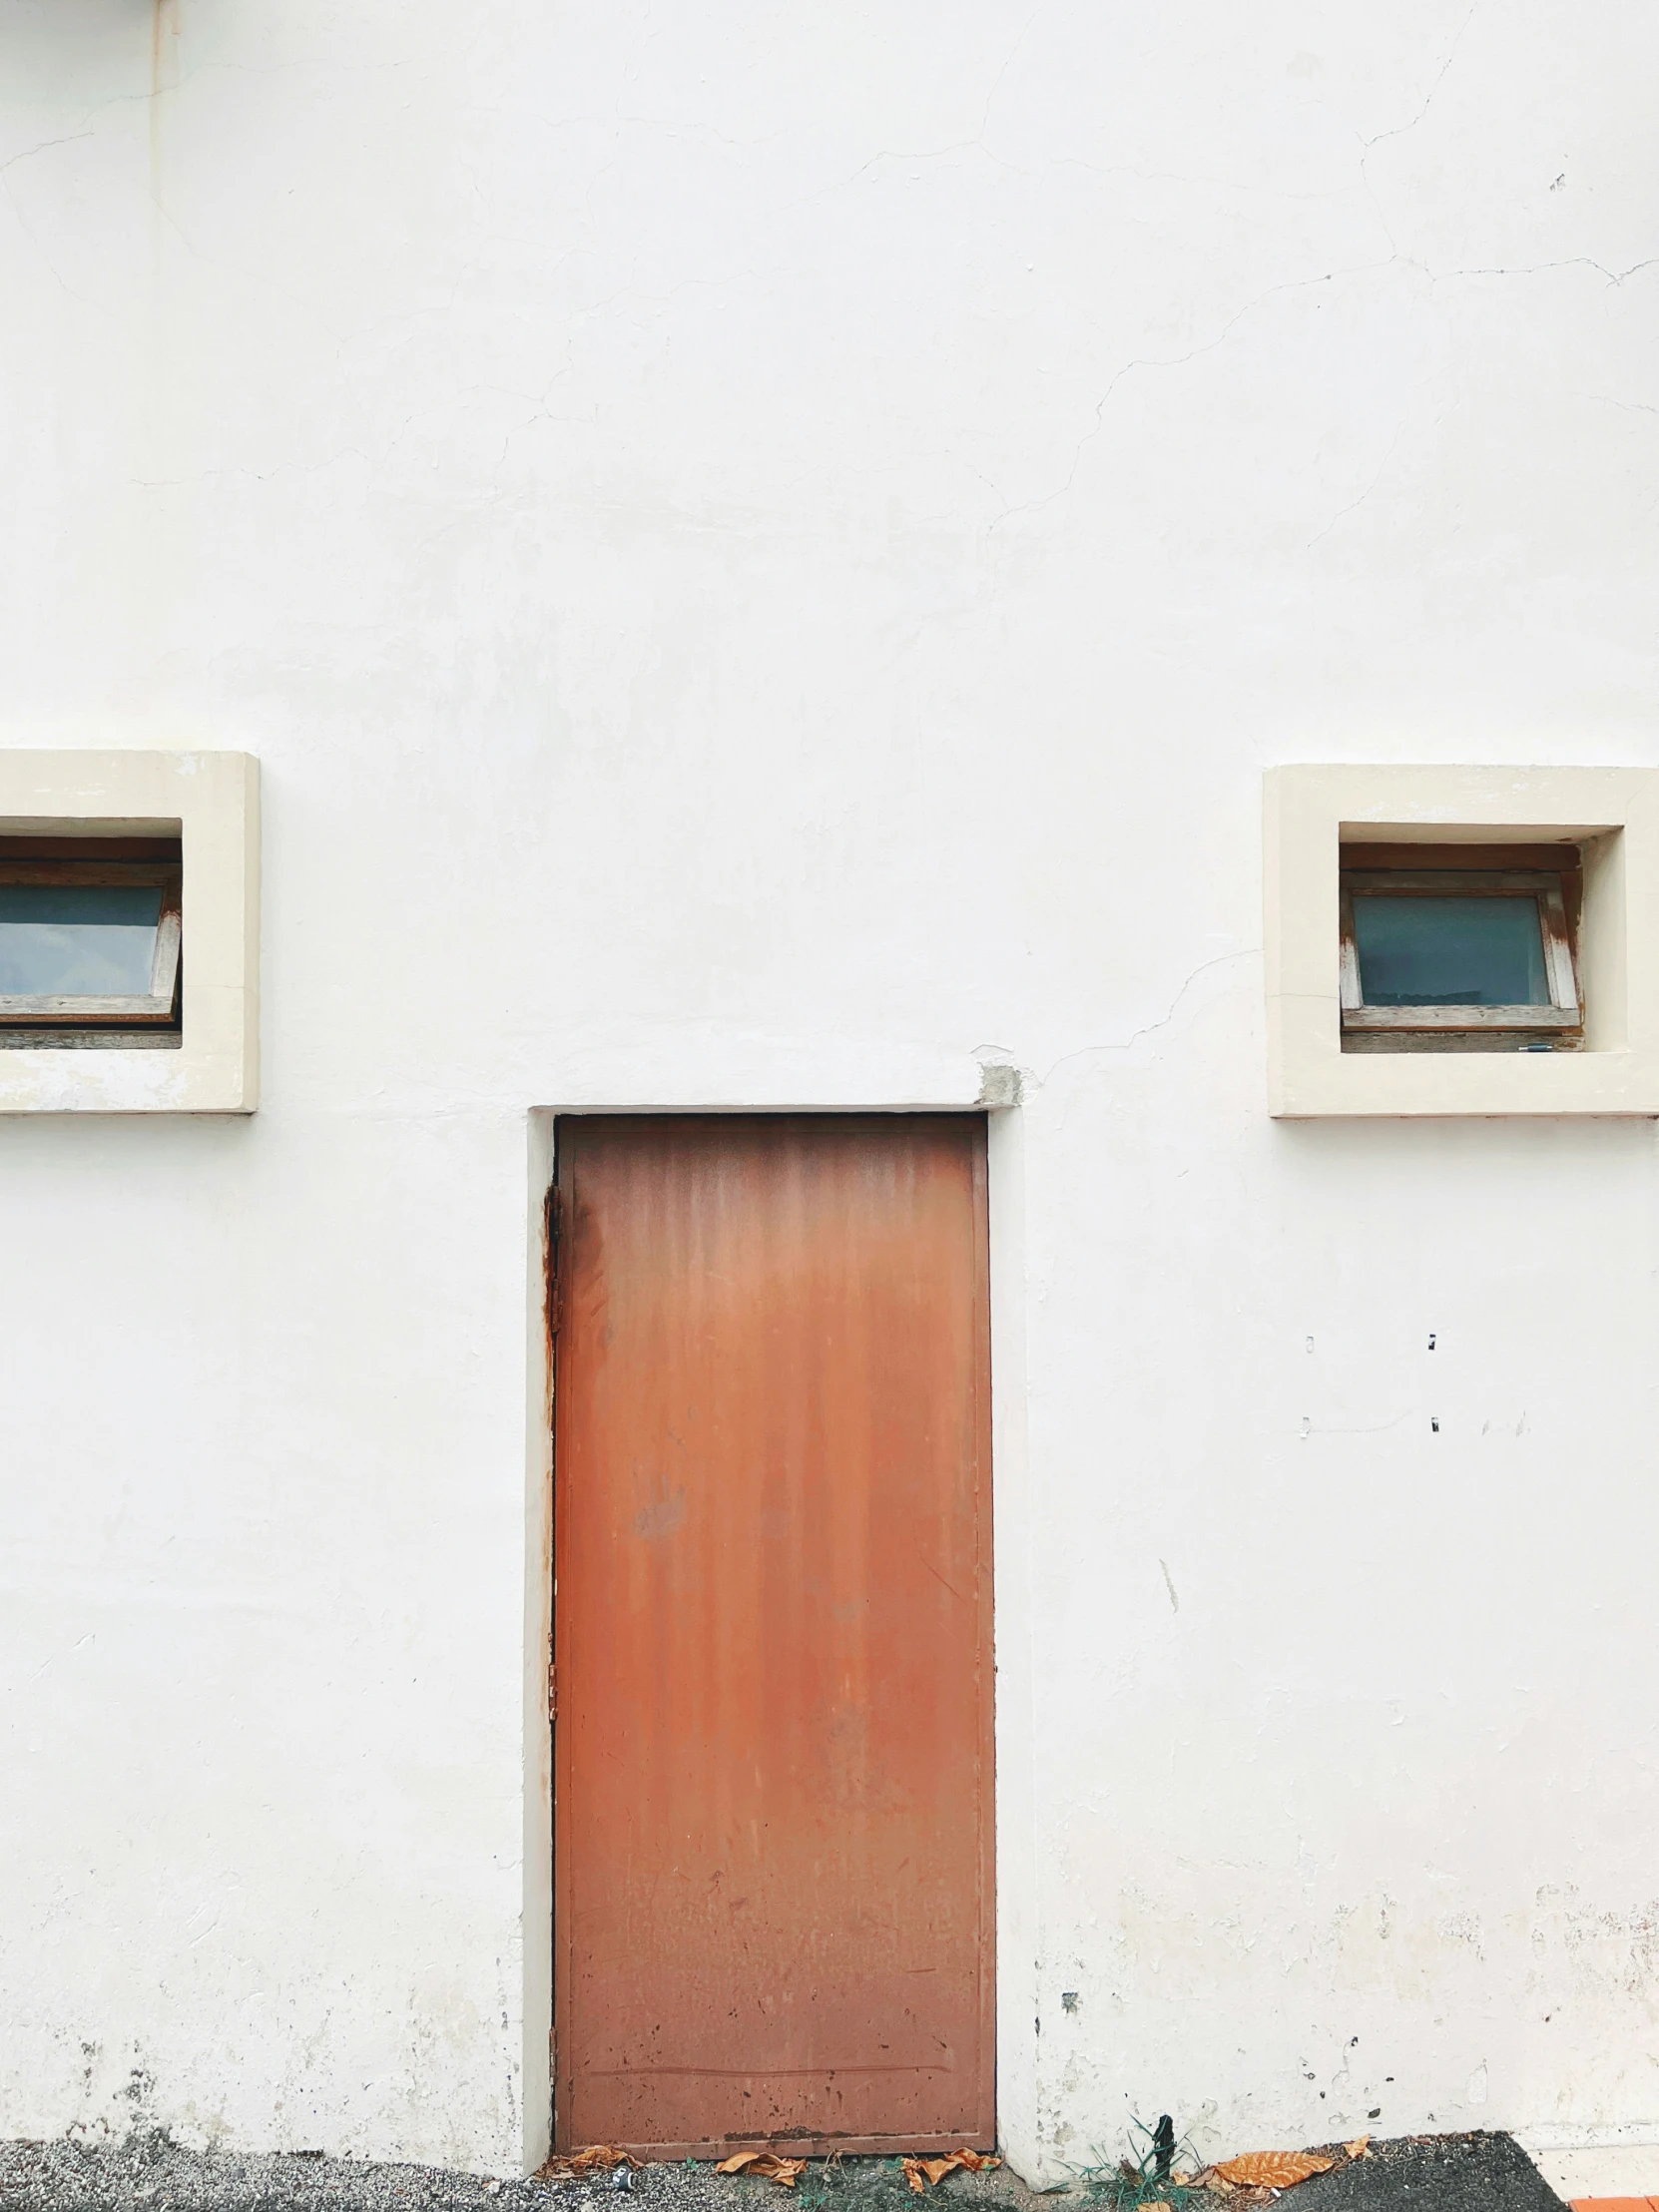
(129,932)
(1430,1000)
(1479,956)
(90,934)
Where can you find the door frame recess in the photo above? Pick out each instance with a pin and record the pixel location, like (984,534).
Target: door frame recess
(1015,1917)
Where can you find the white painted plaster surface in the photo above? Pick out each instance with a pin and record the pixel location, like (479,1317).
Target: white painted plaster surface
(764,554)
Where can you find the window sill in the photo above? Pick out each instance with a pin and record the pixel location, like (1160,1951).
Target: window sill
(91,1040)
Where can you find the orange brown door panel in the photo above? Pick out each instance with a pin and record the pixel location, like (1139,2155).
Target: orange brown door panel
(773,1625)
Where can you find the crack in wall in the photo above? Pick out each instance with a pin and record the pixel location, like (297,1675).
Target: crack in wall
(1151,1028)
(1401,128)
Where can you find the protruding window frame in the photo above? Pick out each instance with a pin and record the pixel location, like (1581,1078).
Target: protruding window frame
(205,806)
(1608,817)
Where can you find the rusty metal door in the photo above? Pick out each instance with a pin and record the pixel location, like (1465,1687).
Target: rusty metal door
(772,1634)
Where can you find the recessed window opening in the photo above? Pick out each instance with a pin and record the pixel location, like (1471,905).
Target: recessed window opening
(90,941)
(1461,949)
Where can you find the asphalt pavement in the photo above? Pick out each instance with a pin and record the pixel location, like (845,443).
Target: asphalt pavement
(149,2173)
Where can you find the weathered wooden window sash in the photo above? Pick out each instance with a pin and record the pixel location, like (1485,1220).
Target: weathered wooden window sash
(1565,1010)
(156,1008)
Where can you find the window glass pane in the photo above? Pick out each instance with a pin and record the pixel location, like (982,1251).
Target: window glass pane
(1451,951)
(74,940)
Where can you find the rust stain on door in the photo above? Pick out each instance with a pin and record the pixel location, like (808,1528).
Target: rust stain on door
(772,1751)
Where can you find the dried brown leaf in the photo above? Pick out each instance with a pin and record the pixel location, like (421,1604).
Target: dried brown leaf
(1274,2169)
(596,2158)
(763,2165)
(925,2173)
(1359,2147)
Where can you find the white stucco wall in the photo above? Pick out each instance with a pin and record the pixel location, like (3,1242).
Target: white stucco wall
(763,553)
